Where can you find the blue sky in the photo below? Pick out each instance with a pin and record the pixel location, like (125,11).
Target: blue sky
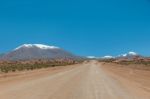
(84,27)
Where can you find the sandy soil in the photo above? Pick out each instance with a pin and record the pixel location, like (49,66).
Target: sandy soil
(136,80)
(91,80)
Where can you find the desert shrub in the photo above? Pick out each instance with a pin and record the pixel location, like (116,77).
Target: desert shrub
(19,66)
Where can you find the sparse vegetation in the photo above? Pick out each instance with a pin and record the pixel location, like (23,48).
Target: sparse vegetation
(6,67)
(135,64)
(126,62)
(107,60)
(147,63)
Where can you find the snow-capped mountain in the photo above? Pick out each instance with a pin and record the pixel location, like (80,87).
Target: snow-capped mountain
(41,46)
(129,56)
(91,57)
(107,57)
(37,51)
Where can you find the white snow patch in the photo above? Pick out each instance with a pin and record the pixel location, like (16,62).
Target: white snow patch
(91,57)
(41,46)
(124,55)
(129,53)
(132,53)
(108,57)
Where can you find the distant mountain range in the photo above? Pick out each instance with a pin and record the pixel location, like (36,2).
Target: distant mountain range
(129,55)
(40,51)
(37,51)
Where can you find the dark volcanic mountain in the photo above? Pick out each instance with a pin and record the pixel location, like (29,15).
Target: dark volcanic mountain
(38,51)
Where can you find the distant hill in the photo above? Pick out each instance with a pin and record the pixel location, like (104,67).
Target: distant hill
(38,51)
(129,56)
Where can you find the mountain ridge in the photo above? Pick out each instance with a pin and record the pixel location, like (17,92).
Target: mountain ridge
(37,51)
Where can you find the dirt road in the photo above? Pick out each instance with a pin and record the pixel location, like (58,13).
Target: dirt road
(84,81)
